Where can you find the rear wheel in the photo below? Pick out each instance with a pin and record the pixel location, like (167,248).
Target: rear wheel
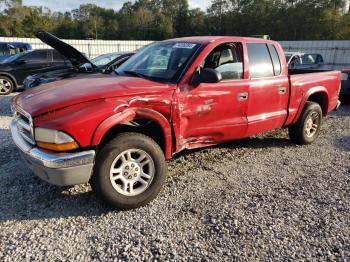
(130,171)
(6,85)
(307,129)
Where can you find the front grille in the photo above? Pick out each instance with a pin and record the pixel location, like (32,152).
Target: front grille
(24,124)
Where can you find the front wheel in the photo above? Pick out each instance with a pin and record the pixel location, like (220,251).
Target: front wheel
(307,128)
(130,171)
(6,85)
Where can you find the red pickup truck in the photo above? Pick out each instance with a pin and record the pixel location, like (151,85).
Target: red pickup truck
(117,131)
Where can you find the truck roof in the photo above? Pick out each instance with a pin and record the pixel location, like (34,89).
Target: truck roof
(209,39)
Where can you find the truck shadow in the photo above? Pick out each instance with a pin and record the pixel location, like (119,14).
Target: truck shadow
(48,202)
(23,196)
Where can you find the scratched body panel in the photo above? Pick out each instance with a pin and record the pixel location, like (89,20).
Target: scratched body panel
(210,114)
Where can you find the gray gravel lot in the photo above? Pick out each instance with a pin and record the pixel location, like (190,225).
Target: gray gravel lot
(262,198)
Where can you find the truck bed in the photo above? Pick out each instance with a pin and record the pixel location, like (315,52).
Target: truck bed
(304,81)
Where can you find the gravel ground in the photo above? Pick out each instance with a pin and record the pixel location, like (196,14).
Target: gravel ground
(262,198)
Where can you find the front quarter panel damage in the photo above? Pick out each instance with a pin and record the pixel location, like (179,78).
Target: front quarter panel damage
(83,120)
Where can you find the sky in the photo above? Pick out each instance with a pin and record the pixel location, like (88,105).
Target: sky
(68,5)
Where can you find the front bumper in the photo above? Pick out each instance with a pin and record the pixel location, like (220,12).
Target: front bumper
(61,169)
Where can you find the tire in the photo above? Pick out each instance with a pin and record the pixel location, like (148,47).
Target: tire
(6,85)
(303,132)
(123,189)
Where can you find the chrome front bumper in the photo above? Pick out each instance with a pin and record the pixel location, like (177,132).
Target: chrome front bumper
(62,169)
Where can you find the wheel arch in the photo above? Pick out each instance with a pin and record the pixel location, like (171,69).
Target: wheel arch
(12,78)
(320,98)
(158,128)
(317,94)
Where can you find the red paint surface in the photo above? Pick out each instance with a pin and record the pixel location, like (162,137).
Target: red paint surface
(87,107)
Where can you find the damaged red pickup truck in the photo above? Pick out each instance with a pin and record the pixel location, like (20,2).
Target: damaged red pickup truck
(117,131)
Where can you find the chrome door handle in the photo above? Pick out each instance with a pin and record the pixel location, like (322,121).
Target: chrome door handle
(282,90)
(242,96)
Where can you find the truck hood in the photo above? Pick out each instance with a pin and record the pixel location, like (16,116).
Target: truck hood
(60,94)
(68,51)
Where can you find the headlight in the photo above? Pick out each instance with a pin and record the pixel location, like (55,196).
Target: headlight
(344,76)
(54,140)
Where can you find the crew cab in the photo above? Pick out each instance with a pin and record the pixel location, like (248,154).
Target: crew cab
(117,131)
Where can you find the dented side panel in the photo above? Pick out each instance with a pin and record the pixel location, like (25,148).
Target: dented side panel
(210,114)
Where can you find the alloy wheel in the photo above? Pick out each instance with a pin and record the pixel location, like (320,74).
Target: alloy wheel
(132,172)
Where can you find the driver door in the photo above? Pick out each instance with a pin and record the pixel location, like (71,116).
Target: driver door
(211,113)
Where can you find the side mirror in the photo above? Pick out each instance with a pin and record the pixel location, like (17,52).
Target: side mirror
(87,67)
(206,75)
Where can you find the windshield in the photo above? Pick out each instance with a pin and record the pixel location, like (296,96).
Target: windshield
(14,57)
(103,60)
(162,61)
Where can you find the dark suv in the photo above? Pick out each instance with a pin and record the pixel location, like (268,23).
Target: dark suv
(16,68)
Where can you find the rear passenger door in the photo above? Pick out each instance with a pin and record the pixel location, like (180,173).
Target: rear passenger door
(268,89)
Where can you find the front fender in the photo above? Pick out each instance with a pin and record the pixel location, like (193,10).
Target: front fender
(130,115)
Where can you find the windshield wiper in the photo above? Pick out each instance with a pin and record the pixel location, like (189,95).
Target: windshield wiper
(135,74)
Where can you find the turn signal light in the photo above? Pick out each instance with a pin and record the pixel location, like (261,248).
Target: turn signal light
(58,147)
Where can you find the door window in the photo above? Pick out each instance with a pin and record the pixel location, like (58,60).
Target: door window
(57,57)
(36,57)
(275,59)
(226,59)
(260,64)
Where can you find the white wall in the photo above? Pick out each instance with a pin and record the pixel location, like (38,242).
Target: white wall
(335,53)
(91,48)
